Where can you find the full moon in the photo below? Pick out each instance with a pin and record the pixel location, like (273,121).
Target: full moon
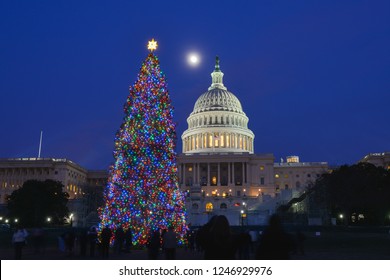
(193,59)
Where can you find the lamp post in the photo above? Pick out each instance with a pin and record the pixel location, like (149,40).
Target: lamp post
(341,216)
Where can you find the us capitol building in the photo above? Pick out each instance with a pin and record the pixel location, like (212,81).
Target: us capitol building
(217,169)
(221,174)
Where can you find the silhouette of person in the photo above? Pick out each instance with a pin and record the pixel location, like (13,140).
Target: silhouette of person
(275,243)
(222,244)
(244,242)
(119,239)
(106,237)
(19,241)
(191,240)
(254,239)
(83,240)
(203,238)
(38,239)
(299,241)
(154,244)
(92,239)
(128,240)
(169,244)
(69,239)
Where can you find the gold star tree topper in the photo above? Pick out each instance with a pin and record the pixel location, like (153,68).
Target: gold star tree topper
(152,45)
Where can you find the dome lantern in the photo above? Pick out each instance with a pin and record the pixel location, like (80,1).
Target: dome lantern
(217,124)
(217,77)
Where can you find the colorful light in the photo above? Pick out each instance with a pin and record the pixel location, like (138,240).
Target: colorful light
(142,191)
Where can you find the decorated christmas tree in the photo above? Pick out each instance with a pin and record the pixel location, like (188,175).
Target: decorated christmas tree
(142,192)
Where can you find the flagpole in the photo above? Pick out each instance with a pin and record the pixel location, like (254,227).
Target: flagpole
(40,145)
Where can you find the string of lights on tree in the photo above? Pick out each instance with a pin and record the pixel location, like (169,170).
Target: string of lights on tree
(142,192)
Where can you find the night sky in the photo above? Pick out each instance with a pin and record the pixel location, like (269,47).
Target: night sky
(312,76)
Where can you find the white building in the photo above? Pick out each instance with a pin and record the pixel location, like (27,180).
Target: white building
(15,171)
(378,159)
(220,172)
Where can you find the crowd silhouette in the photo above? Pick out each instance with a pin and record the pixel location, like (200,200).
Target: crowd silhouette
(215,240)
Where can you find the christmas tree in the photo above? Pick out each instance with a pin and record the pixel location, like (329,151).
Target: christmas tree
(142,192)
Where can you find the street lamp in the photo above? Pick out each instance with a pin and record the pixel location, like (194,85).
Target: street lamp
(48,219)
(243,216)
(71,219)
(341,216)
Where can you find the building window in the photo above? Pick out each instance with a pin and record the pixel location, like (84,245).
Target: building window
(238,193)
(209,207)
(223,206)
(195,206)
(261,167)
(285,175)
(286,186)
(276,175)
(308,175)
(262,181)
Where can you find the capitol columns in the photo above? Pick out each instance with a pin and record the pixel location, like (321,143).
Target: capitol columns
(219,175)
(229,178)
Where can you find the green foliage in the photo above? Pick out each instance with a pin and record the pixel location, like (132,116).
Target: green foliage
(357,189)
(36,200)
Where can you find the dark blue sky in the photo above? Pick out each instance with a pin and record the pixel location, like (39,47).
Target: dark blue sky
(312,76)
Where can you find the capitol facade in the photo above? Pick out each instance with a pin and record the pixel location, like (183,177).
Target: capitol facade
(219,171)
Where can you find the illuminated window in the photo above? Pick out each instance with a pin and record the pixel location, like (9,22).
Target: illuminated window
(209,207)
(190,168)
(276,175)
(261,167)
(285,175)
(214,180)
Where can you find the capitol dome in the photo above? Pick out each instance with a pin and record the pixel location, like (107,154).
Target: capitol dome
(217,123)
(217,99)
